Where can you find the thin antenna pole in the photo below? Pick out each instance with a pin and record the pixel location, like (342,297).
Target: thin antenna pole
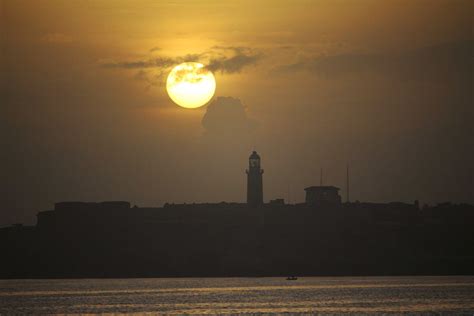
(347,183)
(289,201)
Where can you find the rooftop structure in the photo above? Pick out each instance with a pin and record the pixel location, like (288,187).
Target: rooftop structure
(322,196)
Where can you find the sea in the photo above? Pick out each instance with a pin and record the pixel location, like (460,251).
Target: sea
(427,295)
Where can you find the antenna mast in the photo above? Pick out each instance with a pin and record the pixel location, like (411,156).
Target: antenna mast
(289,196)
(347,182)
(321,178)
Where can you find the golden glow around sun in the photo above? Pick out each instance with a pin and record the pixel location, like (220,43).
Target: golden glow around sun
(190,85)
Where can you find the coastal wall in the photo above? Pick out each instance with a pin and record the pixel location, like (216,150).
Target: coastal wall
(231,239)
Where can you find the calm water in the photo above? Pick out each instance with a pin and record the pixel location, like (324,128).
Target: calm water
(351,295)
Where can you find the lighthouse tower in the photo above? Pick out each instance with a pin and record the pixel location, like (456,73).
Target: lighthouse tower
(254,181)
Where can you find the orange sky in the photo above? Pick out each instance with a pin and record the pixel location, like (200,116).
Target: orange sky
(385,86)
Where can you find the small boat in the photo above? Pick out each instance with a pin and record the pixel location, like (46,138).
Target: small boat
(291,278)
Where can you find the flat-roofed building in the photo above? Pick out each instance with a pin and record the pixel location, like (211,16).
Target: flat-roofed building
(322,195)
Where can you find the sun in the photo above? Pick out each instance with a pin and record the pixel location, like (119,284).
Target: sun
(190,85)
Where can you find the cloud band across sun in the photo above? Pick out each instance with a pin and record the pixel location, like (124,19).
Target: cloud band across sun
(218,59)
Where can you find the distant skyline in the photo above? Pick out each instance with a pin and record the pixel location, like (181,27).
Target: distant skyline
(384,86)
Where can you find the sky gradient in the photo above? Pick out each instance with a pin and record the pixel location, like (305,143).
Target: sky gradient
(384,86)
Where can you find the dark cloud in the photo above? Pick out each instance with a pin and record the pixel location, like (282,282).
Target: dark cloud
(151,70)
(452,60)
(157,62)
(231,59)
(223,149)
(334,65)
(227,116)
(218,59)
(229,135)
(233,64)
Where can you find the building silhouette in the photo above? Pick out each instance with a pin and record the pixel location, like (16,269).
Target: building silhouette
(319,237)
(322,196)
(254,181)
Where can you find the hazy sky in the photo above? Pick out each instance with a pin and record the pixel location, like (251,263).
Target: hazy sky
(385,86)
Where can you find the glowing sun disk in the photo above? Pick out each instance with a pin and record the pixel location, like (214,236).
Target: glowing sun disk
(190,85)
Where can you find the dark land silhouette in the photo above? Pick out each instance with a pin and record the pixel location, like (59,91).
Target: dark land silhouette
(322,236)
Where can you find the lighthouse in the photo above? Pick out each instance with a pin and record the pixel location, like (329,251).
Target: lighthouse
(254,181)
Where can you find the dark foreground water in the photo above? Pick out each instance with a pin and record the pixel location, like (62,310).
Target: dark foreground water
(311,295)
